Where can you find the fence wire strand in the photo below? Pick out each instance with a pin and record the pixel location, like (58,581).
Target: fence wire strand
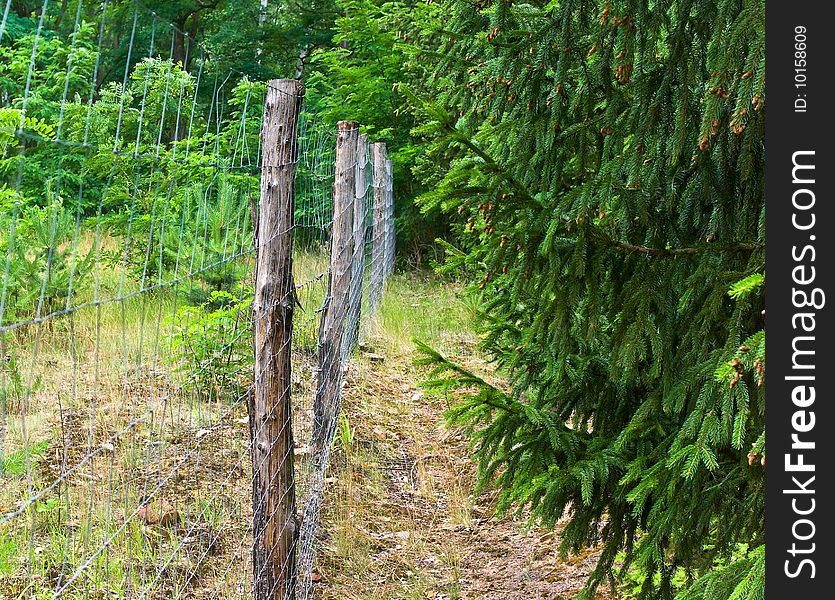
(129,193)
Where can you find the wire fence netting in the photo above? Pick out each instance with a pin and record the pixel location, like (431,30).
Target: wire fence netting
(130,188)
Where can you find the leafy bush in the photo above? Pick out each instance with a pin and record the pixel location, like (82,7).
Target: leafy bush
(212,345)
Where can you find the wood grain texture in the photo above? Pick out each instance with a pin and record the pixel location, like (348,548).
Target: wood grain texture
(358,257)
(379,157)
(270,418)
(334,317)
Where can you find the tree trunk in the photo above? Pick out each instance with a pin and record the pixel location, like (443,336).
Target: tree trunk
(178,49)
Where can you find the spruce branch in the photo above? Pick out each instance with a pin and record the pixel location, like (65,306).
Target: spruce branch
(734,247)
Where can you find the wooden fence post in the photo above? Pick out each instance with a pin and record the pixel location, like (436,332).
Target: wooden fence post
(334,316)
(358,258)
(378,235)
(270,419)
(389,263)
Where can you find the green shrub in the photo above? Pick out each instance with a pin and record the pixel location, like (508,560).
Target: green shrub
(212,345)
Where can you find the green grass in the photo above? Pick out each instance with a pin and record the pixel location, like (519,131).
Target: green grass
(311,284)
(107,365)
(9,549)
(365,511)
(422,306)
(15,463)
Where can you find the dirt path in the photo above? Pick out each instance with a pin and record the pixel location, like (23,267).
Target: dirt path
(402,521)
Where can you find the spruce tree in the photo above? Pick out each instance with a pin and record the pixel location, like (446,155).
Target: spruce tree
(604,163)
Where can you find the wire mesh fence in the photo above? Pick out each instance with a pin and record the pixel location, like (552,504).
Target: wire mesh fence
(186,259)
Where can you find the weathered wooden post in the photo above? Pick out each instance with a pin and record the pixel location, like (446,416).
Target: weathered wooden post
(378,235)
(358,258)
(334,316)
(270,419)
(389,253)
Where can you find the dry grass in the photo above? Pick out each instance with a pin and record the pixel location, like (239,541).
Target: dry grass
(102,419)
(100,424)
(101,393)
(402,521)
